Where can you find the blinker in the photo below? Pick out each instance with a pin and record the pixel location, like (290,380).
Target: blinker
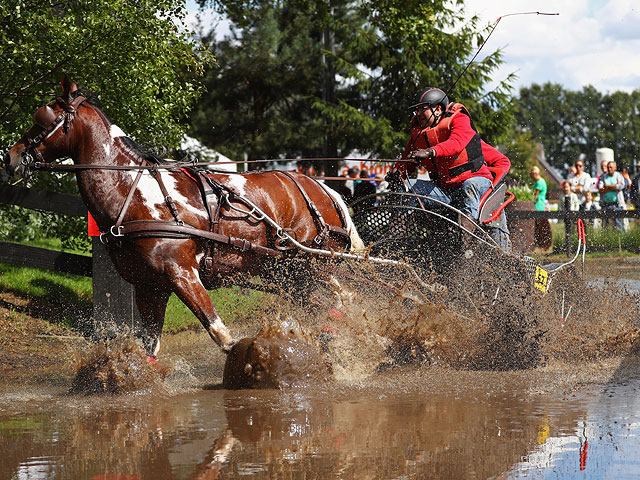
(45,116)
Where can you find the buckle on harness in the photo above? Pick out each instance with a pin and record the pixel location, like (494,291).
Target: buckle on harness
(118,233)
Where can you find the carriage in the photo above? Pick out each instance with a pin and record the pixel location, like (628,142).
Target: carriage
(173,228)
(431,233)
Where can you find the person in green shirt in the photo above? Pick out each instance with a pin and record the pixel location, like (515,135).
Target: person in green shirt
(539,188)
(543,227)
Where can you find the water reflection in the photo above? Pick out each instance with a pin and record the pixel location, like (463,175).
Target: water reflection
(229,434)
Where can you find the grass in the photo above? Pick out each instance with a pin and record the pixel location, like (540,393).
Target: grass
(64,299)
(601,242)
(59,297)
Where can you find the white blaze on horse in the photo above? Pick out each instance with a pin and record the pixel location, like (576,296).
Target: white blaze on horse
(174,228)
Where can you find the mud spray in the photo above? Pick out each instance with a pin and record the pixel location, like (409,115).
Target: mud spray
(367,319)
(489,318)
(116,366)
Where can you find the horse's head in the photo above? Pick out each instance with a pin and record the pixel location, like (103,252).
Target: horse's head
(48,138)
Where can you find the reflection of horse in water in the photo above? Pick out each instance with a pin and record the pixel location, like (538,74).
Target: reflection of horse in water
(171,229)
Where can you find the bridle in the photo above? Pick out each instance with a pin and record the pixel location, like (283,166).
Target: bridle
(48,121)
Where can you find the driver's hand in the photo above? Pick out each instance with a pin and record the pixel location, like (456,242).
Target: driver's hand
(424,154)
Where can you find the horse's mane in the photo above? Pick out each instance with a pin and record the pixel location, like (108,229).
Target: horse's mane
(140,151)
(91,97)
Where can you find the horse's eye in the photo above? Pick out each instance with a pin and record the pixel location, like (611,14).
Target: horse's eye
(45,116)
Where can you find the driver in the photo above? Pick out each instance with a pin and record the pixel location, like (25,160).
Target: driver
(462,167)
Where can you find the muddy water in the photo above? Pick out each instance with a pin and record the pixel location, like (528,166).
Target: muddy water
(576,414)
(480,432)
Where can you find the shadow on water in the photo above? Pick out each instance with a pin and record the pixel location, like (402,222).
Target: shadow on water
(268,434)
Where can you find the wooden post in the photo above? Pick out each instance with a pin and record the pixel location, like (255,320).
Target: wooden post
(567,231)
(114,305)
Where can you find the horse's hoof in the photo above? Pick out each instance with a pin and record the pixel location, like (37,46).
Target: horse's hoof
(227,348)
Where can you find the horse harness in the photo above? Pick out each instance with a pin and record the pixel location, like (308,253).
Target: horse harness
(217,196)
(46,118)
(214,194)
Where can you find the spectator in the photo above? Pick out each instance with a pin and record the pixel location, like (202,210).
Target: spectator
(383,185)
(363,189)
(603,171)
(590,205)
(343,190)
(542,225)
(634,191)
(353,172)
(573,171)
(569,200)
(581,181)
(611,186)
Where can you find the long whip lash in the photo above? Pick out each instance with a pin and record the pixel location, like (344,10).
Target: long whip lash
(495,24)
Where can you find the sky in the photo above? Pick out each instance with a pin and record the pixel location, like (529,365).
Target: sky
(590,42)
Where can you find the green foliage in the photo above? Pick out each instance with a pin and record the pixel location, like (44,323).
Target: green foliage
(522,152)
(137,56)
(316,78)
(523,193)
(607,239)
(133,54)
(22,225)
(570,123)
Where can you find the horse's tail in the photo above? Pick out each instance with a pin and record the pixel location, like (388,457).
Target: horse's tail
(356,242)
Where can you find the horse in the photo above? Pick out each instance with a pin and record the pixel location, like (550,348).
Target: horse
(177,229)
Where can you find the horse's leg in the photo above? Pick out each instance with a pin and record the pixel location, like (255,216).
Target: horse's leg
(190,290)
(152,305)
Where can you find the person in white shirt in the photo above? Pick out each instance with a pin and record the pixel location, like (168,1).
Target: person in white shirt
(589,205)
(568,201)
(581,181)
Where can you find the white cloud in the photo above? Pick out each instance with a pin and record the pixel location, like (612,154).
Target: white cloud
(593,42)
(590,42)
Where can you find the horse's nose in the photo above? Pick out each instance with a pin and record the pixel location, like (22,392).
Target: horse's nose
(5,160)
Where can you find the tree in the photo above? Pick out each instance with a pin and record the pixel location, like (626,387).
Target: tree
(573,123)
(136,56)
(541,110)
(522,151)
(296,76)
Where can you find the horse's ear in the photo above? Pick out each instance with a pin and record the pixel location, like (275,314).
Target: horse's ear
(68,87)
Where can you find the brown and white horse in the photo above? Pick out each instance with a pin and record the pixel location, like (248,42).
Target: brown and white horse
(159,264)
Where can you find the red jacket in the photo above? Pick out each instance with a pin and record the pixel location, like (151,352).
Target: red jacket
(461,134)
(497,162)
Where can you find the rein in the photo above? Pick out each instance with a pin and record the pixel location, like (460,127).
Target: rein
(56,167)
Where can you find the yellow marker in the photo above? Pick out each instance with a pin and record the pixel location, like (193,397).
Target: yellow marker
(542,279)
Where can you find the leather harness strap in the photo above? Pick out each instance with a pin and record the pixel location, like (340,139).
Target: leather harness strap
(318,220)
(167,198)
(167,229)
(161,228)
(323,229)
(127,202)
